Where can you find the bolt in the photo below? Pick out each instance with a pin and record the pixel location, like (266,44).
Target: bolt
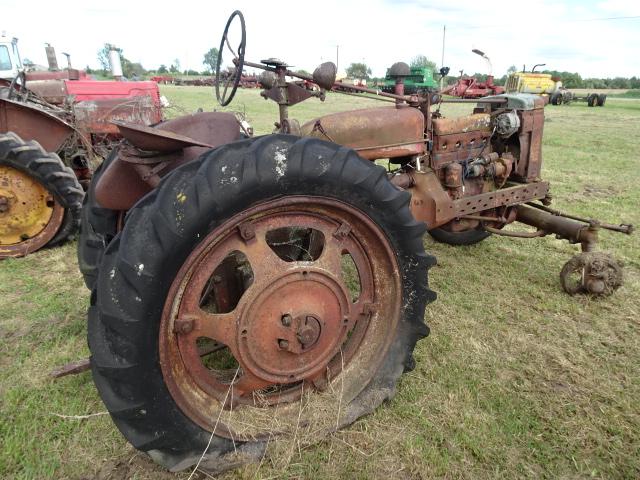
(183,325)
(247,232)
(286,320)
(283,344)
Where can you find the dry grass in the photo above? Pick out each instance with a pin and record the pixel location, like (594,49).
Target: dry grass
(517,380)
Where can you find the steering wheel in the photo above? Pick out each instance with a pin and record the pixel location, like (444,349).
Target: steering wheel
(238,60)
(22,92)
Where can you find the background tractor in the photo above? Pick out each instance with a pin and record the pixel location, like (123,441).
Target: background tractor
(221,315)
(55,128)
(470,87)
(420,80)
(547,85)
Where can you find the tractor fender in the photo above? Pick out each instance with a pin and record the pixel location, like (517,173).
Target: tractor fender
(124,182)
(32,123)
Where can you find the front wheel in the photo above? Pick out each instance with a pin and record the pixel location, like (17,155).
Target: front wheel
(455,233)
(275,285)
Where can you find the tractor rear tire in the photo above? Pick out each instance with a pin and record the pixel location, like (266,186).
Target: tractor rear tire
(189,218)
(31,161)
(98,227)
(592,100)
(465,237)
(601,99)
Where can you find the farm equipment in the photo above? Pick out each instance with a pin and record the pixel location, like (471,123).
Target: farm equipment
(470,87)
(548,85)
(276,285)
(55,127)
(420,80)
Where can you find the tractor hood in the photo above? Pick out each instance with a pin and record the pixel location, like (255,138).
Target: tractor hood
(386,132)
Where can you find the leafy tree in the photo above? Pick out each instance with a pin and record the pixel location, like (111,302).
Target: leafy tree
(163,69)
(512,69)
(103,56)
(132,69)
(173,69)
(211,59)
(421,61)
(303,72)
(129,68)
(358,70)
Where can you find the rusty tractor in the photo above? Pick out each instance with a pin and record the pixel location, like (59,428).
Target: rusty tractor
(247,288)
(54,130)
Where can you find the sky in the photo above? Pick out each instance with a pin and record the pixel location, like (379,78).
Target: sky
(567,35)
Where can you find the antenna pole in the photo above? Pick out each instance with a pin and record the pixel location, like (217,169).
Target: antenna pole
(444,33)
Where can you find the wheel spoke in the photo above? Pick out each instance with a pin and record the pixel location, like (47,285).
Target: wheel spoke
(331,258)
(226,40)
(220,327)
(263,260)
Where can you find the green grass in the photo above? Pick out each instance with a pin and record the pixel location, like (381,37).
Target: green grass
(517,380)
(633,93)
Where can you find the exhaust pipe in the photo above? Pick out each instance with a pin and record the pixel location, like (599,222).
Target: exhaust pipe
(51,57)
(116,64)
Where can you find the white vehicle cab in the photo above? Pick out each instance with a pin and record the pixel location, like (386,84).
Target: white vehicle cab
(10,63)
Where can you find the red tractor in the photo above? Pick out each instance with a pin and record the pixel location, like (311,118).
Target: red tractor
(246,289)
(55,128)
(470,87)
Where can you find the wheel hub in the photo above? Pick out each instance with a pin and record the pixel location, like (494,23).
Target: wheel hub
(29,215)
(294,326)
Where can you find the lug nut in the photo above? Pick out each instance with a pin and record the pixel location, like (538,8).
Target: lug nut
(286,320)
(283,344)
(4,204)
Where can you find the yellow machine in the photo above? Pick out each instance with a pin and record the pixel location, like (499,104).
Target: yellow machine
(537,83)
(547,85)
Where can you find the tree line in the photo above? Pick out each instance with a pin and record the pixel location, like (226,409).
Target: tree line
(134,70)
(354,70)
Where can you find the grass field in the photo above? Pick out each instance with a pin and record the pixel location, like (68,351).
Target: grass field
(517,380)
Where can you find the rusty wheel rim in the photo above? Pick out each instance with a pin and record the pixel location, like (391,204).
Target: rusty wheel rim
(29,214)
(297,328)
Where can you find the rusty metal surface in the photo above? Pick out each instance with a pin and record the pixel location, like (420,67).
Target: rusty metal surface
(506,196)
(296,327)
(53,91)
(470,123)
(96,116)
(155,139)
(386,132)
(72,368)
(120,186)
(33,123)
(528,152)
(458,147)
(595,273)
(622,228)
(566,228)
(431,203)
